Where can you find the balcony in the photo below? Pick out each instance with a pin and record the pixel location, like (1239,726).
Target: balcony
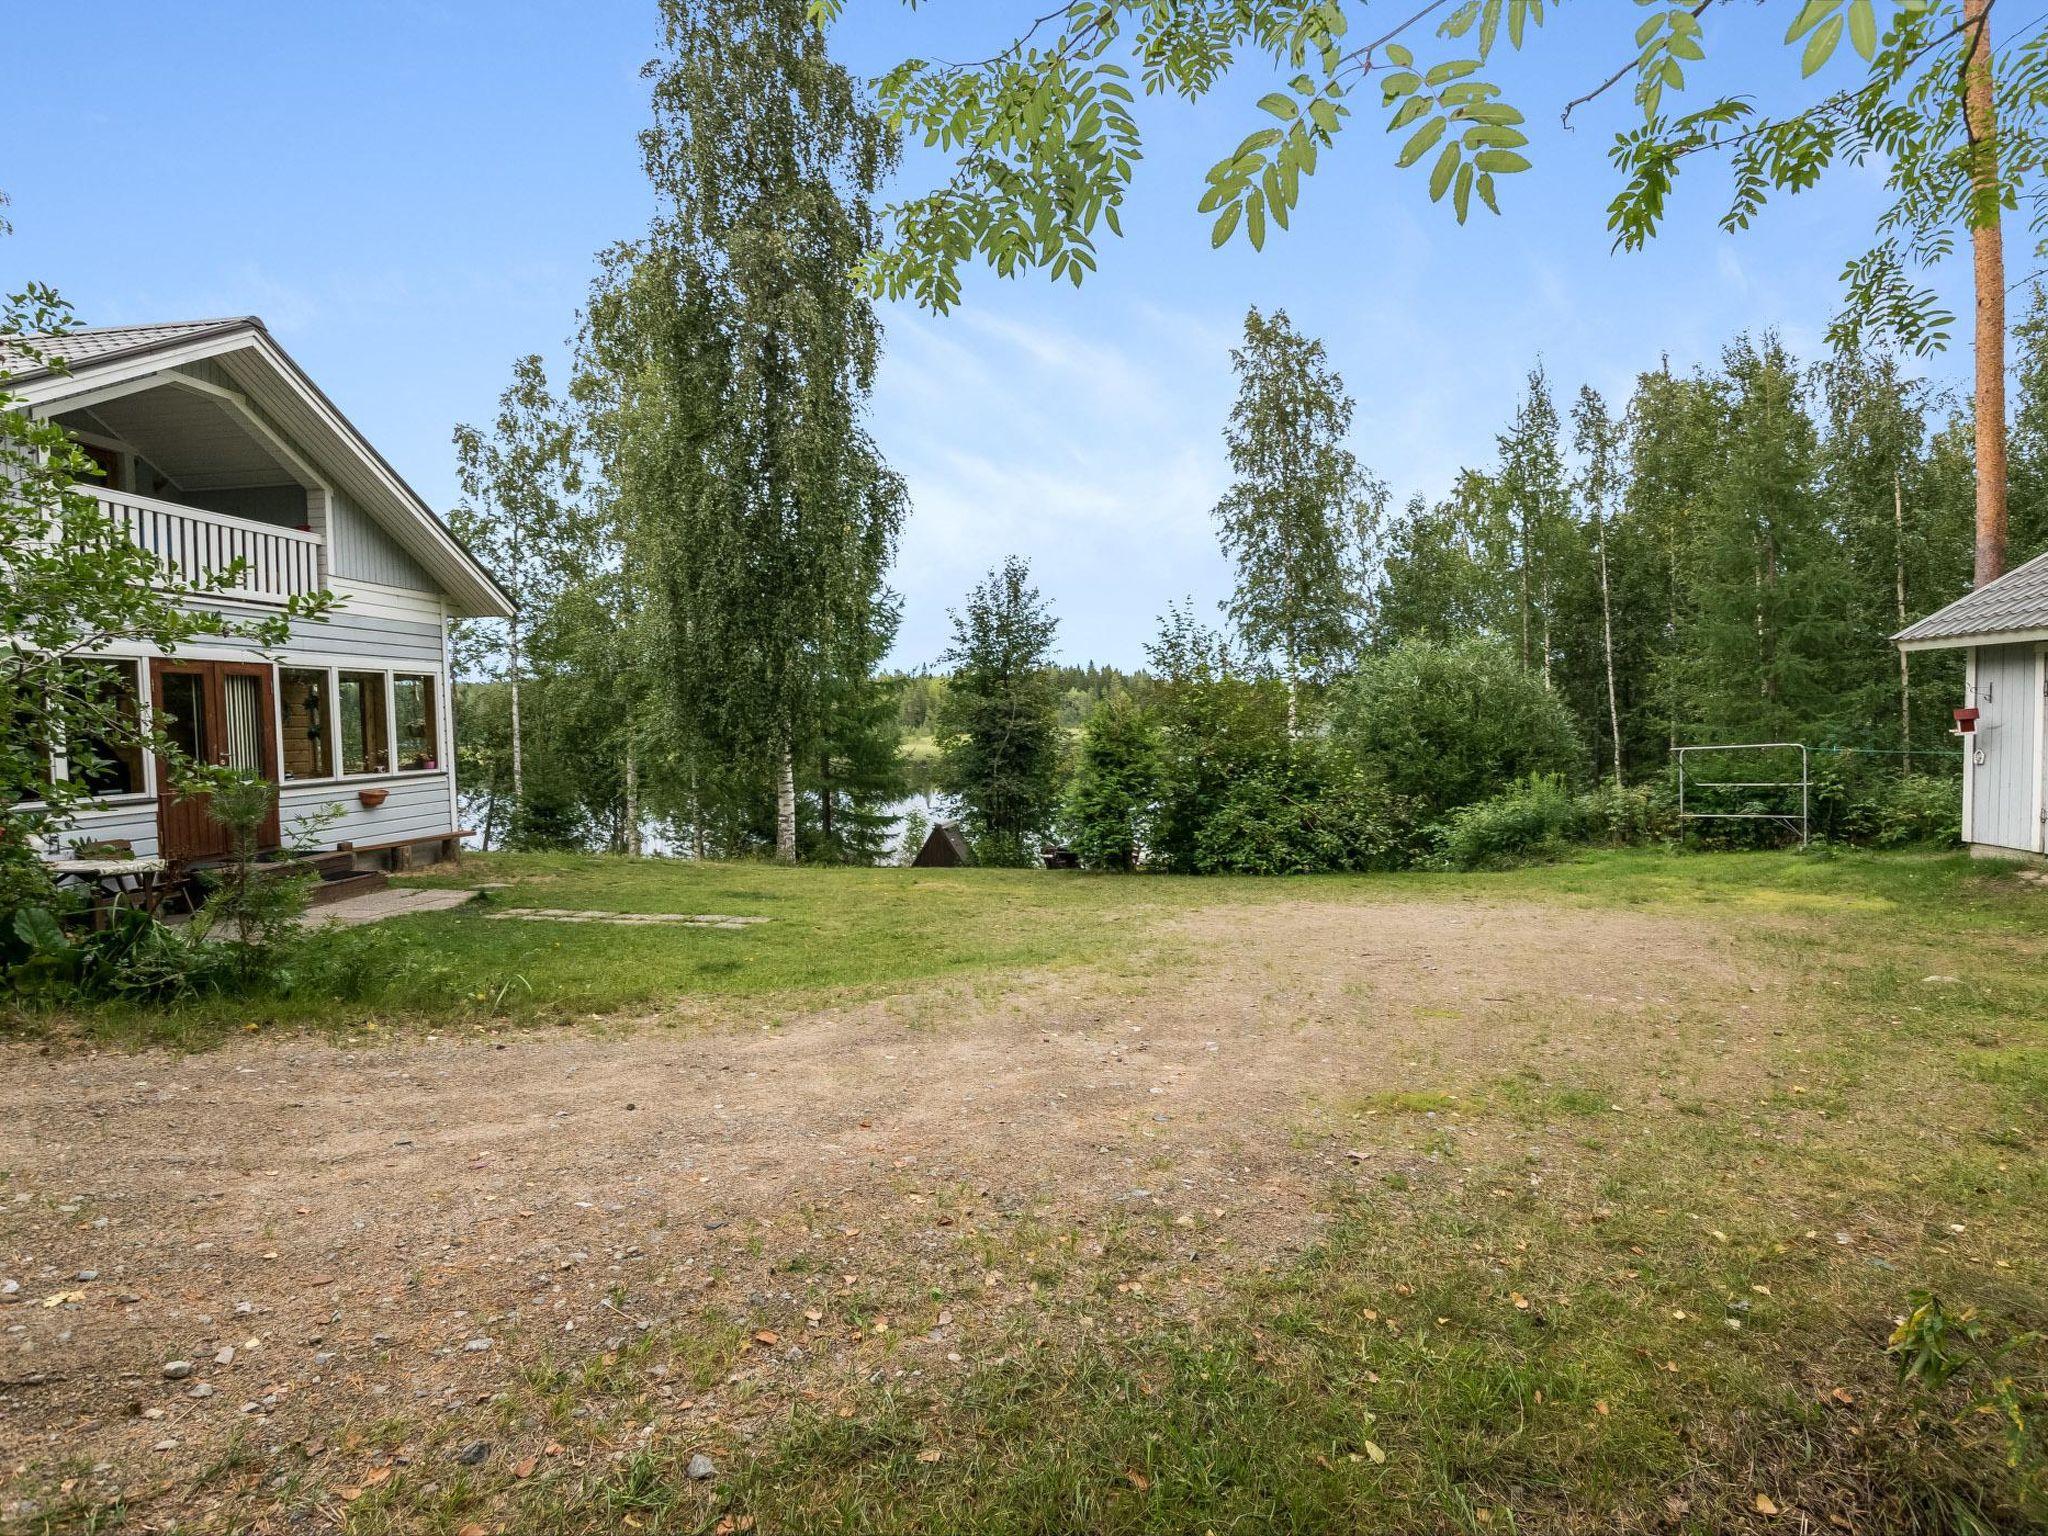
(278,563)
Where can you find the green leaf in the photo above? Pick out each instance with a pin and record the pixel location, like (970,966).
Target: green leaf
(1280,105)
(1440,174)
(1821,46)
(1226,225)
(37,929)
(1461,192)
(1500,162)
(1484,187)
(1255,221)
(1399,55)
(1401,82)
(1423,141)
(1863,29)
(1808,18)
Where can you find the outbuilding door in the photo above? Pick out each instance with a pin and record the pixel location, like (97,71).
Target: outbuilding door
(218,712)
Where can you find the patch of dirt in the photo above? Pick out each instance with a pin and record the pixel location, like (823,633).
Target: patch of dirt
(334,1235)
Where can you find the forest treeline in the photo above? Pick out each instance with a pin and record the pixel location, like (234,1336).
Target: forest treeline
(699,529)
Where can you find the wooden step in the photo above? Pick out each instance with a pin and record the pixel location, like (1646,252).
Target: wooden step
(335,888)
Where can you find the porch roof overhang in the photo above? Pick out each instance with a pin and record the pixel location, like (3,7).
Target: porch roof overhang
(2012,610)
(103,364)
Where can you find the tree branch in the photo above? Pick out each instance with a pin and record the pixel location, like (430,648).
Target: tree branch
(1565,117)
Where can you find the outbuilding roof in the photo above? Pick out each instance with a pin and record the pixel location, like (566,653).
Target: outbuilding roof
(244,349)
(2012,608)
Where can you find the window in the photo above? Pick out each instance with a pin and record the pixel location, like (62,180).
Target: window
(418,733)
(365,729)
(303,701)
(105,750)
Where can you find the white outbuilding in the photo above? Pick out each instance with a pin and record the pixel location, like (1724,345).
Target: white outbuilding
(2003,626)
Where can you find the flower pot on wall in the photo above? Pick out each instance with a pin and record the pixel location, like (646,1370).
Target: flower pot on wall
(372,798)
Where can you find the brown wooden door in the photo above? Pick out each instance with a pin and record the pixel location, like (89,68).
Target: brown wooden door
(217,712)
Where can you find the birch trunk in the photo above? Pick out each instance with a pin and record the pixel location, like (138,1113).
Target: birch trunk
(1607,641)
(518,762)
(785,808)
(1987,250)
(1899,583)
(632,837)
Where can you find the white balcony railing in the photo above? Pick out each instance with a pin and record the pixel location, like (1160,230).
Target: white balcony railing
(278,563)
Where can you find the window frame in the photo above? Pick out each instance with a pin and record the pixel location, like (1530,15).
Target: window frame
(388,692)
(145,717)
(431,738)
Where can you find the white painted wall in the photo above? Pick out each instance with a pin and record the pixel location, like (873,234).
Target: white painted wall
(2006,770)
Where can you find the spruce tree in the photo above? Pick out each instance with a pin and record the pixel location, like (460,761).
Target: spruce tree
(998,721)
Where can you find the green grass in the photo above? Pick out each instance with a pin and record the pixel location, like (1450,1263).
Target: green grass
(1559,1300)
(863,932)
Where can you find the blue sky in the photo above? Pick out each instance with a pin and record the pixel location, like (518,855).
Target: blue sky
(411,194)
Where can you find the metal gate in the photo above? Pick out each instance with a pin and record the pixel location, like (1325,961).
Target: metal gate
(1804,784)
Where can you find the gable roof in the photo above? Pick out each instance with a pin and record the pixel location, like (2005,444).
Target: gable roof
(2012,608)
(243,348)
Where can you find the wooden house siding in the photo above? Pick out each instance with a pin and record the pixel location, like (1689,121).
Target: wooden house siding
(360,550)
(416,807)
(2005,786)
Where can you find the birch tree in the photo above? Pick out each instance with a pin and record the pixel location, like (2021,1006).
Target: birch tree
(1597,438)
(760,512)
(520,516)
(1046,137)
(1300,517)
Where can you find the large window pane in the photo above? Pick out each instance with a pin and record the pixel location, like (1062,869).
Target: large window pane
(302,697)
(183,718)
(365,732)
(418,737)
(105,750)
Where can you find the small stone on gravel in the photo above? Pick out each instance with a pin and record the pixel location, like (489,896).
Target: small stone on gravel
(177,1370)
(701,1468)
(477,1346)
(473,1455)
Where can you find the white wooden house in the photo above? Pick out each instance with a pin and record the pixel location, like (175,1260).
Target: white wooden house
(218,447)
(2003,626)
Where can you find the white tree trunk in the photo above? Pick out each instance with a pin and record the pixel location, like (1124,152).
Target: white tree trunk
(632,838)
(1899,581)
(1607,641)
(518,757)
(785,808)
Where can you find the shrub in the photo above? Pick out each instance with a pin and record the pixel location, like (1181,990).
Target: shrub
(1919,809)
(1447,725)
(1536,817)
(1306,810)
(1618,816)
(1106,816)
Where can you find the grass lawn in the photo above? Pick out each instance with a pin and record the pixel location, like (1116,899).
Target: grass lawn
(1576,1198)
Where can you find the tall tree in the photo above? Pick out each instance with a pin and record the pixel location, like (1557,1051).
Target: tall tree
(998,723)
(1300,518)
(1597,437)
(520,516)
(1962,132)
(761,513)
(1534,497)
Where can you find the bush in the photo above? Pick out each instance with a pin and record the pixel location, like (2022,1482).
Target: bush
(1448,725)
(1536,817)
(1540,817)
(1919,809)
(1106,816)
(1307,810)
